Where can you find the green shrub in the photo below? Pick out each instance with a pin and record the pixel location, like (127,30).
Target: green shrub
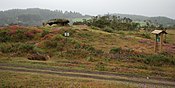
(5,47)
(95,28)
(26,47)
(45,32)
(38,50)
(77,54)
(108,29)
(107,59)
(4,37)
(115,50)
(85,35)
(100,66)
(50,44)
(146,35)
(121,32)
(159,60)
(16,48)
(19,36)
(90,58)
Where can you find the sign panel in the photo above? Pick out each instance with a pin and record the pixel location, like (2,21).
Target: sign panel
(157,38)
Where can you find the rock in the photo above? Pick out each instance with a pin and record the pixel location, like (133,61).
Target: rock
(38,57)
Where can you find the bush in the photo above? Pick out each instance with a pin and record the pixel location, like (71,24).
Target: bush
(26,47)
(84,35)
(159,60)
(115,50)
(78,23)
(4,37)
(90,58)
(5,47)
(50,44)
(107,59)
(100,66)
(45,32)
(108,29)
(19,36)
(121,32)
(17,48)
(146,35)
(95,28)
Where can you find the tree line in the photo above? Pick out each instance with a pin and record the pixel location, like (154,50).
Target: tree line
(34,16)
(111,23)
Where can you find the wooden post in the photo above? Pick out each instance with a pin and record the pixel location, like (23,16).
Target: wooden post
(161,42)
(165,38)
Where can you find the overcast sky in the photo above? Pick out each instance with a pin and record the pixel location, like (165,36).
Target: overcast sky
(95,7)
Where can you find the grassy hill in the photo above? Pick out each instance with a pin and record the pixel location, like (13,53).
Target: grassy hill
(86,49)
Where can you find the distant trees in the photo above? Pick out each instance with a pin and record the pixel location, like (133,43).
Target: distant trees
(34,16)
(109,22)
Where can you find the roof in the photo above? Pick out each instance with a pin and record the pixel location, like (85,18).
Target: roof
(158,32)
(58,21)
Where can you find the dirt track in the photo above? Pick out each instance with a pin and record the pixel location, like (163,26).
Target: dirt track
(162,82)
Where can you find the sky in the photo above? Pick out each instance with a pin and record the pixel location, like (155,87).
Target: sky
(98,7)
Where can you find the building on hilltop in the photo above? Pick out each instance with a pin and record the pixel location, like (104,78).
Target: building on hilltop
(59,22)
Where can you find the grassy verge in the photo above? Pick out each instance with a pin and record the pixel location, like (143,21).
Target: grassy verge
(114,66)
(23,80)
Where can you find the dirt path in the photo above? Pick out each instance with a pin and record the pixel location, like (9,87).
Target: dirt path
(161,82)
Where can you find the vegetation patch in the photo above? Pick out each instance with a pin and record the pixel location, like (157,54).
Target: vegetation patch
(159,60)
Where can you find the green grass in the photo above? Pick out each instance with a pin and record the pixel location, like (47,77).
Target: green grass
(34,80)
(95,64)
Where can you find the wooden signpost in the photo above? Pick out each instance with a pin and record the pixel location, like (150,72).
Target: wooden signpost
(159,40)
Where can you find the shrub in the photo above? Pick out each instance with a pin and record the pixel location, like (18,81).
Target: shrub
(4,37)
(78,23)
(16,48)
(107,59)
(38,50)
(146,35)
(159,60)
(26,47)
(100,66)
(5,47)
(77,54)
(95,28)
(45,32)
(19,36)
(84,35)
(50,44)
(90,58)
(115,50)
(121,32)
(108,29)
